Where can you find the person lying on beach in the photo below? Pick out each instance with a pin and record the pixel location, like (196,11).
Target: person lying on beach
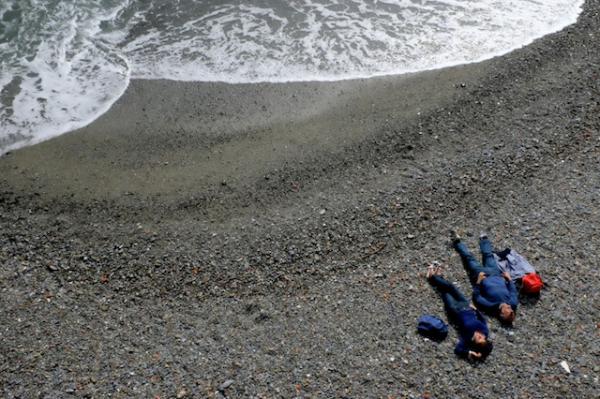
(493,290)
(471,325)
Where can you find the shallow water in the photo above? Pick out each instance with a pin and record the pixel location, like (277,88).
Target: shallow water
(65,63)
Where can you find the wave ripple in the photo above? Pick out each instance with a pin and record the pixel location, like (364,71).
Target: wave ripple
(65,63)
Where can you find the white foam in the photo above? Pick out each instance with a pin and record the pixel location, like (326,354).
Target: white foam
(87,90)
(235,44)
(70,81)
(80,70)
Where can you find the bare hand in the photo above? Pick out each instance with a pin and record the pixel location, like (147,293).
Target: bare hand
(506,275)
(480,277)
(474,355)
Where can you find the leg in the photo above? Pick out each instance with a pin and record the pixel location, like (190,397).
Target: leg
(451,306)
(454,300)
(489,262)
(471,265)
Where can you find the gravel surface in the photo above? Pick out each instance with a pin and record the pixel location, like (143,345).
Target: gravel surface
(307,280)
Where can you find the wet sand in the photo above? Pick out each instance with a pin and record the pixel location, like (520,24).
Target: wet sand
(176,138)
(273,236)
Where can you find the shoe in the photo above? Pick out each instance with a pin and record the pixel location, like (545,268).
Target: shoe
(483,236)
(454,236)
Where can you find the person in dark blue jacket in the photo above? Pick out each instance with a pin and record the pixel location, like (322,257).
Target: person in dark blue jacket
(493,291)
(473,342)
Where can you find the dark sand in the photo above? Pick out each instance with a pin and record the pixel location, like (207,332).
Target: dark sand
(272,238)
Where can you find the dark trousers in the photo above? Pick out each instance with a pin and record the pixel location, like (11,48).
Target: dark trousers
(472,266)
(454,300)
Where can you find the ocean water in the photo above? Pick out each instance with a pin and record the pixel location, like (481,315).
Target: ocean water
(64,63)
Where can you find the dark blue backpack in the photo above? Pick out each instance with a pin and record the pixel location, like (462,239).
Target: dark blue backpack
(432,327)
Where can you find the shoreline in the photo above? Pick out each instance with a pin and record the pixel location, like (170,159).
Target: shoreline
(357,78)
(257,256)
(217,124)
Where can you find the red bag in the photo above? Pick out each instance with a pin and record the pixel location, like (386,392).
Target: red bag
(532,284)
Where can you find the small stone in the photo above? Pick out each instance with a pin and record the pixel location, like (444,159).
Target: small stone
(565,366)
(182,393)
(322,212)
(262,317)
(225,385)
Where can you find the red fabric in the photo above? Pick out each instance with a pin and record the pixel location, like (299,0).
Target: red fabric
(532,283)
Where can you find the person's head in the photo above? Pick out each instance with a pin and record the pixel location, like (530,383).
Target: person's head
(479,338)
(506,314)
(482,345)
(485,348)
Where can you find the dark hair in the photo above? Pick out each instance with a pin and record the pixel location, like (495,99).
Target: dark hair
(507,322)
(485,349)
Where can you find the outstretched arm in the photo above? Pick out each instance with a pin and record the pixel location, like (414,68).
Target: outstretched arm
(461,349)
(481,302)
(514,295)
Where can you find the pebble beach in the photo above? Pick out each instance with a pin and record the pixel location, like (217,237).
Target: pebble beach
(277,247)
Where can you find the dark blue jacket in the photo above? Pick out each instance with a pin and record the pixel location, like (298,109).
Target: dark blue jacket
(467,322)
(493,291)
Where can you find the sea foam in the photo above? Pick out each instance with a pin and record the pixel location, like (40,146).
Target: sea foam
(65,63)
